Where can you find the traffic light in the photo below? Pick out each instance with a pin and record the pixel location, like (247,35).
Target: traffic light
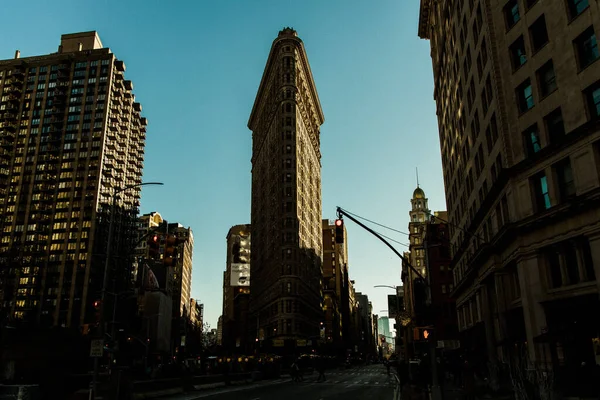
(97,309)
(423,334)
(153,247)
(170,254)
(339,231)
(235,253)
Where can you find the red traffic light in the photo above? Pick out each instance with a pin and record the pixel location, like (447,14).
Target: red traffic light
(339,222)
(97,303)
(155,238)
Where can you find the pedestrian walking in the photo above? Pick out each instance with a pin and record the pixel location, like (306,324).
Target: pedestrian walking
(321,369)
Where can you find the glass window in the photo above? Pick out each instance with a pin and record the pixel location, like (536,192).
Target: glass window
(546,79)
(555,126)
(511,13)
(532,140)
(542,196)
(517,53)
(576,7)
(587,47)
(566,182)
(525,96)
(593,99)
(538,33)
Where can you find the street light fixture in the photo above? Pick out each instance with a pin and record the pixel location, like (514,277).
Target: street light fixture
(386,286)
(107,265)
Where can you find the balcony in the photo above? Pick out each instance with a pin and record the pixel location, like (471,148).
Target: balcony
(59,94)
(19,71)
(15,81)
(12,106)
(120,65)
(10,116)
(64,75)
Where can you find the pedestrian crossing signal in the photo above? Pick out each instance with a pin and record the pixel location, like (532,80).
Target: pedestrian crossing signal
(422,334)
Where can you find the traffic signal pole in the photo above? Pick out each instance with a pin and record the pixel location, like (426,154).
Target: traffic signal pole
(436,393)
(342,213)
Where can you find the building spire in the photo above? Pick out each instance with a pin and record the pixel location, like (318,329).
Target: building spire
(417,169)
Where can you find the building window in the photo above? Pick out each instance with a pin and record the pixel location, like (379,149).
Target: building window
(555,126)
(525,96)
(511,13)
(546,79)
(538,34)
(565,180)
(569,262)
(576,7)
(531,137)
(530,3)
(540,192)
(587,48)
(593,100)
(518,56)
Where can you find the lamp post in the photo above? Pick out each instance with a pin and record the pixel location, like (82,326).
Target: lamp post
(106,267)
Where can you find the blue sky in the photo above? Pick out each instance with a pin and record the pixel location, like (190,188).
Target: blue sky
(196,66)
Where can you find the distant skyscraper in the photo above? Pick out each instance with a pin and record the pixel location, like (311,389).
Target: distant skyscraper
(71,133)
(236,289)
(286,196)
(419,215)
(383,326)
(335,284)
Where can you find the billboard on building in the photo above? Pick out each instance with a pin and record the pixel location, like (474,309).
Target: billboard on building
(240,275)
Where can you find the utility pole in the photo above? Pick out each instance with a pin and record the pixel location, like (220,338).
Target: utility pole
(107,261)
(436,392)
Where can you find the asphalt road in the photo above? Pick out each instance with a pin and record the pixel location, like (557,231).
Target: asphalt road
(368,382)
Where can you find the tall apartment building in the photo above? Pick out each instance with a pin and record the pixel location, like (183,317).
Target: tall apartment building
(335,285)
(517,87)
(436,243)
(146,223)
(366,341)
(174,277)
(196,313)
(179,282)
(286,196)
(236,290)
(71,133)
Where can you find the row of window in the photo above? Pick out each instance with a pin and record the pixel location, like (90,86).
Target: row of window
(512,12)
(546,77)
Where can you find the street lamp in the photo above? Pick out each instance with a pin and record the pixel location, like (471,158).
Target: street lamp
(107,265)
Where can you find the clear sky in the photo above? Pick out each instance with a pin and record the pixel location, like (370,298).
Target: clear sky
(196,66)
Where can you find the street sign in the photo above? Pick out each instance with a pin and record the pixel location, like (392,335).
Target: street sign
(96,348)
(277,342)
